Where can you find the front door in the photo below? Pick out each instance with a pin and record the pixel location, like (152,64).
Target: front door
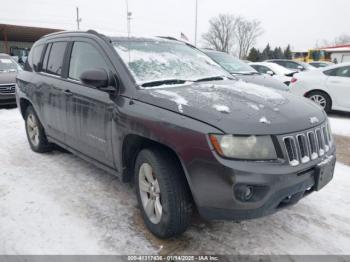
(89,110)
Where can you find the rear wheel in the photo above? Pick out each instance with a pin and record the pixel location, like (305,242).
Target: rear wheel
(35,132)
(322,99)
(163,194)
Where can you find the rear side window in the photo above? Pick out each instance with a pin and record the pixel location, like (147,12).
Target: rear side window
(85,57)
(341,72)
(36,57)
(56,57)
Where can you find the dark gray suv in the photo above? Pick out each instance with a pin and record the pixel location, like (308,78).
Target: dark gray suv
(164,116)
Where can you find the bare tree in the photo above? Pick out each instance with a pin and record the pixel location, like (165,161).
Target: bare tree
(342,40)
(220,35)
(247,33)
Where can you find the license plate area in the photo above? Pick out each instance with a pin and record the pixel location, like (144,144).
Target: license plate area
(324,173)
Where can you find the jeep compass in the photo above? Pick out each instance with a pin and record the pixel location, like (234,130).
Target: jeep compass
(164,116)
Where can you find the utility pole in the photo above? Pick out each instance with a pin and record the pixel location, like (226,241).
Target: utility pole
(78,19)
(128,18)
(196,25)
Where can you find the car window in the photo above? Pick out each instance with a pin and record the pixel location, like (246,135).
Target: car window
(37,52)
(291,65)
(264,69)
(84,57)
(56,56)
(7,64)
(230,63)
(340,72)
(46,57)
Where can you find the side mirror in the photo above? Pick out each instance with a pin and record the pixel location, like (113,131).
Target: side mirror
(96,77)
(301,67)
(270,73)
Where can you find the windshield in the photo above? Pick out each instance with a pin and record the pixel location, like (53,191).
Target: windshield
(151,61)
(8,65)
(306,65)
(231,64)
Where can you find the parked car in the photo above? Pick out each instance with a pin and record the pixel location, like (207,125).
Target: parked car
(165,116)
(321,64)
(327,87)
(278,72)
(243,71)
(292,65)
(8,72)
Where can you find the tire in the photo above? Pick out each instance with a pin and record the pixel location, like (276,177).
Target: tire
(174,195)
(322,99)
(35,132)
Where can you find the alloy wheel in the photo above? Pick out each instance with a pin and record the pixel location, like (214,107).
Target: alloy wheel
(320,100)
(150,193)
(33,129)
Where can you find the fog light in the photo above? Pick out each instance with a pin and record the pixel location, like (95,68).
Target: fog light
(244,192)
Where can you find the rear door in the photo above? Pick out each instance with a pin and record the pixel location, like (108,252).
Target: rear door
(52,86)
(89,110)
(338,85)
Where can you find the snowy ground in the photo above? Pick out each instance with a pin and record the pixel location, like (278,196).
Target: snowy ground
(340,123)
(58,204)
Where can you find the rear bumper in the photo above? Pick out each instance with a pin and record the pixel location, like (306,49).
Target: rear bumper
(274,188)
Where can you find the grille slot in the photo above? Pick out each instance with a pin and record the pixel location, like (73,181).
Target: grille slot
(304,148)
(292,152)
(308,146)
(7,89)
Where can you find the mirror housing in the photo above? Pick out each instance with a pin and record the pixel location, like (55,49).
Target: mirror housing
(301,67)
(270,73)
(96,77)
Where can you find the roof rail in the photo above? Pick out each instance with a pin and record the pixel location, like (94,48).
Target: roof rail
(90,31)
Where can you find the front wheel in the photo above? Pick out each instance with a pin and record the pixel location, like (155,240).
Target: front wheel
(322,99)
(163,194)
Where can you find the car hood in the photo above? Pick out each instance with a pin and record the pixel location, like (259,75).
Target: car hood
(7,77)
(263,80)
(237,107)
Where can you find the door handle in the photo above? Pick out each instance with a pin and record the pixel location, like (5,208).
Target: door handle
(68,92)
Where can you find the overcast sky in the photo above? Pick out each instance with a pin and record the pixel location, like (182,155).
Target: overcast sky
(302,23)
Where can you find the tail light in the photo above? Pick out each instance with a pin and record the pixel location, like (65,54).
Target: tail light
(293,80)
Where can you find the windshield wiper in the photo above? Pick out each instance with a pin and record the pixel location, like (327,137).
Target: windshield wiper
(212,78)
(246,73)
(164,82)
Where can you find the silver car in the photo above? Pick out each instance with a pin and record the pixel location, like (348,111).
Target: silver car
(8,72)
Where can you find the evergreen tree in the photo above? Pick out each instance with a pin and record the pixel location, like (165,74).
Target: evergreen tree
(288,53)
(266,54)
(254,55)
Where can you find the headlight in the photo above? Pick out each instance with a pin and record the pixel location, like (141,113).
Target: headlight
(244,147)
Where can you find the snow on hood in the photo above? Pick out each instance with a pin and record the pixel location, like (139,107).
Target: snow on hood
(237,107)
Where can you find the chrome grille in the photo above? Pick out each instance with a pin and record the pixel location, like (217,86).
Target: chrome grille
(7,89)
(304,147)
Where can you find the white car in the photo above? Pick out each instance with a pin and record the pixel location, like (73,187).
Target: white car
(276,71)
(328,87)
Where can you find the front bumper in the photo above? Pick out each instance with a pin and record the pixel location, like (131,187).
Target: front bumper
(7,99)
(275,186)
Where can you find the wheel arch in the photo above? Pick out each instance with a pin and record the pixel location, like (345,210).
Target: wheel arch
(133,144)
(320,91)
(24,103)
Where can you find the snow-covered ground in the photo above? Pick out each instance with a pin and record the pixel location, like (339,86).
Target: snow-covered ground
(58,204)
(340,123)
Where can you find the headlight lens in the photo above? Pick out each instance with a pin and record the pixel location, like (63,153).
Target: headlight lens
(244,147)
